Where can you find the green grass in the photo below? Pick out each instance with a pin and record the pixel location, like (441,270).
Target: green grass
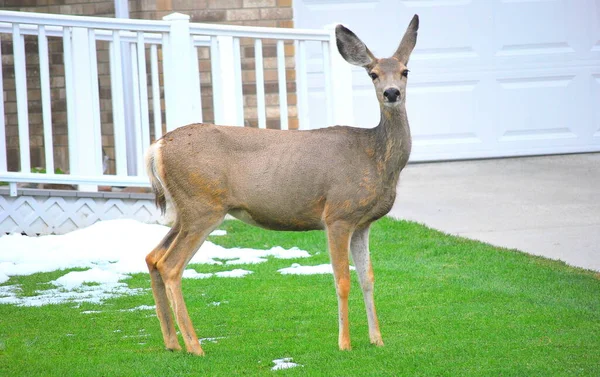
(447,306)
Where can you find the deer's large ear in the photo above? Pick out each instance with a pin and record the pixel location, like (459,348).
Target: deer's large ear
(352,48)
(408,41)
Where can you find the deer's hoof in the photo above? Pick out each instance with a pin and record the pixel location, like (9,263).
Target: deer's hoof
(173,347)
(377,342)
(345,346)
(195,349)
(197,352)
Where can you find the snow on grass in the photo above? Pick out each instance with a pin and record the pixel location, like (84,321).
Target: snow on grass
(237,273)
(209,254)
(75,279)
(138,308)
(212,340)
(297,269)
(111,250)
(192,274)
(93,294)
(285,363)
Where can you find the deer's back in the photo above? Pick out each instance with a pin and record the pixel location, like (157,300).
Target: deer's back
(277,179)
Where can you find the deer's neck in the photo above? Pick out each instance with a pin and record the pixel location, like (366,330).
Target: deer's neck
(393,141)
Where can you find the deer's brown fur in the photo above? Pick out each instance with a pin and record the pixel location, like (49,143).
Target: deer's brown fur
(339,179)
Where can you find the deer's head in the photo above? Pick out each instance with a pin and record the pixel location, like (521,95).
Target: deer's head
(389,75)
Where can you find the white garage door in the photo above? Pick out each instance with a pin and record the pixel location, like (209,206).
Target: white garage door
(488,77)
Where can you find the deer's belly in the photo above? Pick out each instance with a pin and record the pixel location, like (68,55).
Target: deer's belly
(277,221)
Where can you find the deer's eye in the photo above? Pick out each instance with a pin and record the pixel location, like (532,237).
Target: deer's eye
(373,76)
(405,73)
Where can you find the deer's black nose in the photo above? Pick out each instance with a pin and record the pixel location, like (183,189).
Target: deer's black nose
(391,94)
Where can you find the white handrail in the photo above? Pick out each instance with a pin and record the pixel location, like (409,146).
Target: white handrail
(159,26)
(101,35)
(258,32)
(83,21)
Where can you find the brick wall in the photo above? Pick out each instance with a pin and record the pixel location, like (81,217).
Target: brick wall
(274,13)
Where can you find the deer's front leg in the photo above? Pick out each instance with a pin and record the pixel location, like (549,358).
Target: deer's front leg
(338,236)
(362,260)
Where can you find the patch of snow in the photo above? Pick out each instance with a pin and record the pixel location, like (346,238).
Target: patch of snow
(111,250)
(219,232)
(192,274)
(141,307)
(247,260)
(122,241)
(94,294)
(135,336)
(215,303)
(212,340)
(90,311)
(297,269)
(96,275)
(237,273)
(209,252)
(285,363)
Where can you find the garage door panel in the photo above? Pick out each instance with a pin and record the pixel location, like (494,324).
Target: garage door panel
(595,78)
(517,19)
(539,31)
(455,123)
(445,35)
(538,109)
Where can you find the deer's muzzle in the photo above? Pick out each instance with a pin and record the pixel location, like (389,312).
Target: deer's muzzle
(391,94)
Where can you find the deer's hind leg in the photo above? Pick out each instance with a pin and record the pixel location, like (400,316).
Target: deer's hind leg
(171,266)
(159,291)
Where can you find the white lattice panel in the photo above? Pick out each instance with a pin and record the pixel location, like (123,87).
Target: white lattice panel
(57,215)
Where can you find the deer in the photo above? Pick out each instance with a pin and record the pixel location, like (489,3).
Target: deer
(338,179)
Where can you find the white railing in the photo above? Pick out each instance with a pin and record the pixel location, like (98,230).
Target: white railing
(135,41)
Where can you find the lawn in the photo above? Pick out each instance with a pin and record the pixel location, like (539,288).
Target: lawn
(447,307)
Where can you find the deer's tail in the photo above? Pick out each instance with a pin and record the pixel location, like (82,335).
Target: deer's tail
(153,167)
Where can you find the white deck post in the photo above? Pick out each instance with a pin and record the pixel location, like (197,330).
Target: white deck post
(85,152)
(341,84)
(225,89)
(178,91)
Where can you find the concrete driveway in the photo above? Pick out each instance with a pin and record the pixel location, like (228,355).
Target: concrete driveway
(547,206)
